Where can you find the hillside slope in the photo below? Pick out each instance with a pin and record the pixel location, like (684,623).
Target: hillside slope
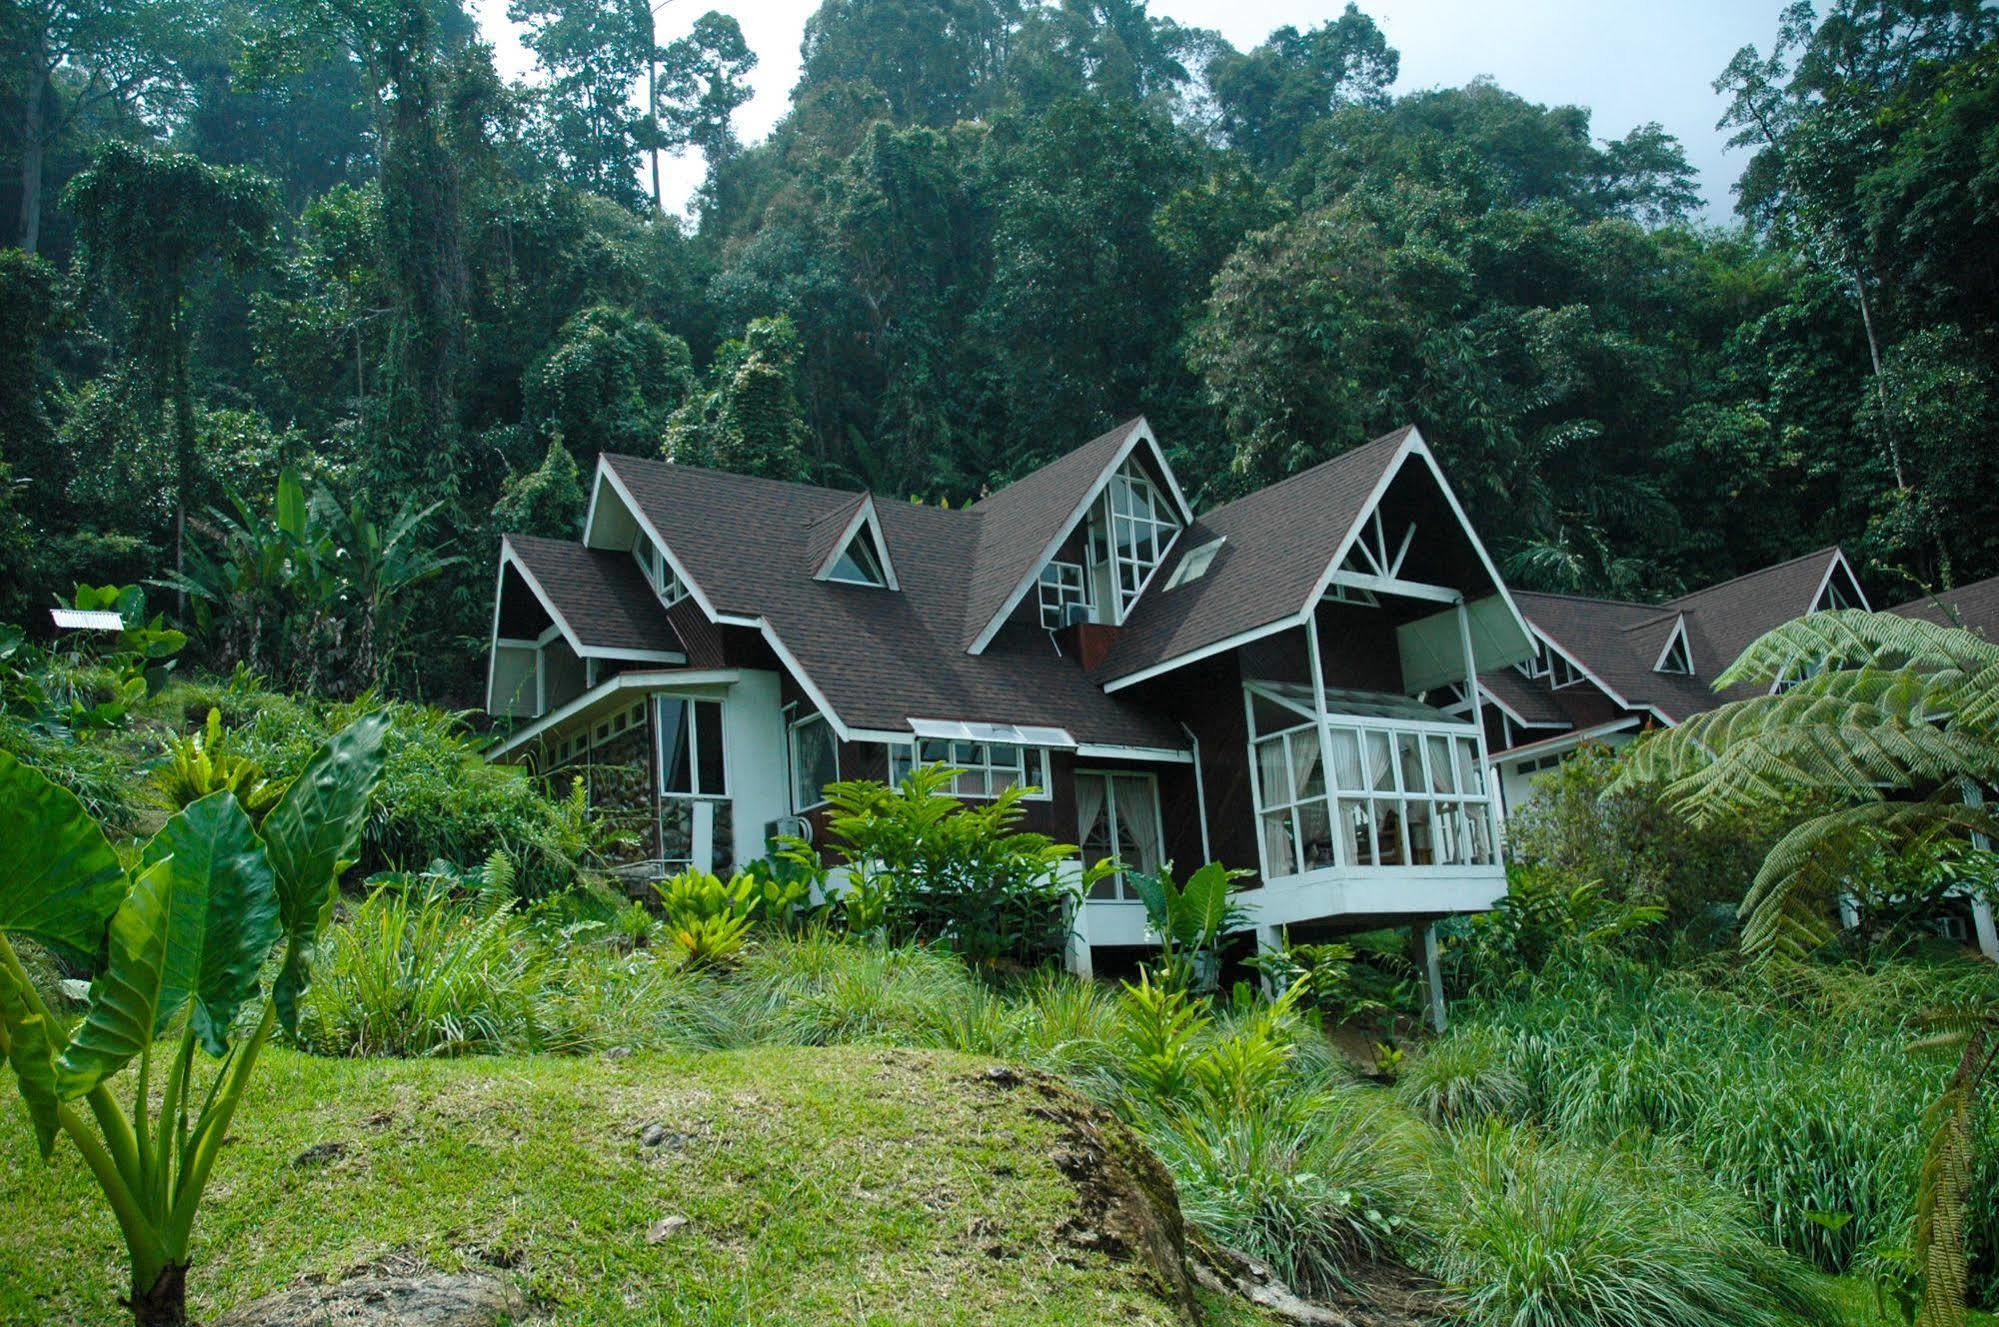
(817,1186)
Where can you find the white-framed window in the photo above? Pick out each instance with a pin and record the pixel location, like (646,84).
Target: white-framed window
(859,563)
(665,582)
(611,725)
(570,748)
(815,760)
(985,769)
(1401,792)
(1835,596)
(1562,673)
(1141,526)
(1195,565)
(1063,584)
(1117,816)
(692,757)
(1534,666)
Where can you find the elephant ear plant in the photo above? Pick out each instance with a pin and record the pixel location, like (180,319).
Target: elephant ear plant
(178,941)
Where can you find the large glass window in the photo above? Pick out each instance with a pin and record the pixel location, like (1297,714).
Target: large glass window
(659,572)
(690,748)
(1142,525)
(1117,817)
(815,761)
(1395,794)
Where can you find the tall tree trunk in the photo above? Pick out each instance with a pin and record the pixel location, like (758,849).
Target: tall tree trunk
(652,118)
(1880,388)
(34,132)
(184,457)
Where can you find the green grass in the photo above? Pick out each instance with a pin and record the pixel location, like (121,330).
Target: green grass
(855,1185)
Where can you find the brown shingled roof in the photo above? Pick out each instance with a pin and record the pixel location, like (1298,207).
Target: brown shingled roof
(1974,607)
(1279,541)
(601,597)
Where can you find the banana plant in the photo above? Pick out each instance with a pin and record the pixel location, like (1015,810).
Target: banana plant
(178,940)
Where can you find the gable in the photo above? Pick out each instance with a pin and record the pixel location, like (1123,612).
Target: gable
(857,552)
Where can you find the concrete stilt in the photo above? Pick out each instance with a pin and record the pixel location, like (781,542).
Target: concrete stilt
(1433,978)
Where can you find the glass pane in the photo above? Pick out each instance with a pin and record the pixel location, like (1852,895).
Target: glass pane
(815,761)
(674,773)
(1315,834)
(1450,833)
(1279,851)
(1357,827)
(1422,844)
(1305,771)
(1388,833)
(708,744)
(1380,769)
(935,751)
(1346,760)
(1480,825)
(1442,775)
(965,755)
(1409,756)
(1471,775)
(1137,822)
(1272,774)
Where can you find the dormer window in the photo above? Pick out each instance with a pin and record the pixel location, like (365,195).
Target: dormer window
(665,582)
(860,554)
(1677,657)
(1195,565)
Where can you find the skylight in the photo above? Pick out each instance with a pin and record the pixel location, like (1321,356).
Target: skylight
(1195,565)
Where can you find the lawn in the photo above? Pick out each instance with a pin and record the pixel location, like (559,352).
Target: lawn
(854,1185)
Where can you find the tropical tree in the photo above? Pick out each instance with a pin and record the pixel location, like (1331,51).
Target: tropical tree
(1878,730)
(148,222)
(182,936)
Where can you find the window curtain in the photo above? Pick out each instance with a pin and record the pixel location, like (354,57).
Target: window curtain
(1093,836)
(1273,777)
(1137,823)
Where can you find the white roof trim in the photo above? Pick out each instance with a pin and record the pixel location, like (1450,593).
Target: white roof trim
(1141,432)
(1206,651)
(660,681)
(1485,695)
(607,474)
(1010,734)
(1107,751)
(1562,741)
(1678,633)
(805,682)
(863,515)
(1838,562)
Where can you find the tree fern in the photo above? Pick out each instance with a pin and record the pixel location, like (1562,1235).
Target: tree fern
(1948,1160)
(1879,747)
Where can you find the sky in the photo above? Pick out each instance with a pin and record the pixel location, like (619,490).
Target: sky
(1628,61)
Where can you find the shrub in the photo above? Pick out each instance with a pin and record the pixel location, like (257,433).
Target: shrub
(821,990)
(1465,1078)
(1531,1233)
(1311,1184)
(413,973)
(923,866)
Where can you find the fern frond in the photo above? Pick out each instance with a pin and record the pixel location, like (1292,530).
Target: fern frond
(1945,1186)
(1854,638)
(1788,912)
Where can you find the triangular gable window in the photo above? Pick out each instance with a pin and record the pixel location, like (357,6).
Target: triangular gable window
(1837,594)
(861,555)
(1676,657)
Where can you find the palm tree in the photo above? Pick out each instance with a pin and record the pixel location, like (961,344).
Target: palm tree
(1878,731)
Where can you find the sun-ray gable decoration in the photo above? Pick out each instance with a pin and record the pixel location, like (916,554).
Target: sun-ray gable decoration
(1121,486)
(858,552)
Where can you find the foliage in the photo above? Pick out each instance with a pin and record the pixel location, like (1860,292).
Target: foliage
(312,594)
(1548,922)
(548,501)
(1324,975)
(708,919)
(1547,1236)
(957,873)
(1896,720)
(202,763)
(187,927)
(748,418)
(609,383)
(1191,921)
(91,685)
(1944,1220)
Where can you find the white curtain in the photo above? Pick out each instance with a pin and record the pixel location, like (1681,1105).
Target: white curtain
(1137,823)
(1305,763)
(1091,836)
(1273,777)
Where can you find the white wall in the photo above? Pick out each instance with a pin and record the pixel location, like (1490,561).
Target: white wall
(753,736)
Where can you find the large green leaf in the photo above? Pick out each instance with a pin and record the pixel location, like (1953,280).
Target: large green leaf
(31,1050)
(125,997)
(1208,907)
(312,833)
(59,879)
(214,950)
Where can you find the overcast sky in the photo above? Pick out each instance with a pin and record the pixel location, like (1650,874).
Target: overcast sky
(1629,61)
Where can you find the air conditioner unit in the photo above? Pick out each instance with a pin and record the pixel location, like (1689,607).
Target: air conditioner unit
(1073,614)
(787,827)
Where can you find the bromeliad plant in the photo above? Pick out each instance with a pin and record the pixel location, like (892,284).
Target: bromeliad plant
(178,942)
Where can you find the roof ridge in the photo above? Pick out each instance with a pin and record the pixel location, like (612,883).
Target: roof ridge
(1760,571)
(1397,436)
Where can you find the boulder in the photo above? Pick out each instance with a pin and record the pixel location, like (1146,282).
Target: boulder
(469,1300)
